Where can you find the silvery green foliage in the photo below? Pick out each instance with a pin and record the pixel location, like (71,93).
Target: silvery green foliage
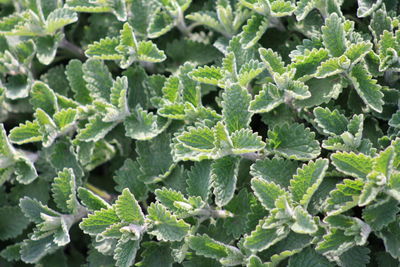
(199,133)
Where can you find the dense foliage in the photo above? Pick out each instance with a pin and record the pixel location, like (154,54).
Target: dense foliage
(199,133)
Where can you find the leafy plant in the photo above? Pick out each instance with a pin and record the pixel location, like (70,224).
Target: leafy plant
(199,133)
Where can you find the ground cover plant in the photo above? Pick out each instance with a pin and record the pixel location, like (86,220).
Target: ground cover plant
(199,133)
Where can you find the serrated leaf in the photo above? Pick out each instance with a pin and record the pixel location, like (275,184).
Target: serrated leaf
(95,129)
(128,177)
(307,65)
(74,75)
(304,223)
(98,79)
(208,19)
(33,209)
(260,239)
(199,180)
(366,87)
(333,66)
(224,173)
(309,257)
(65,118)
(307,180)
(253,30)
(90,200)
(26,133)
(160,23)
(148,51)
(277,170)
(64,191)
(390,237)
(249,71)
(266,192)
(59,18)
(99,221)
(356,52)
(13,222)
(125,252)
(143,125)
(128,209)
(210,75)
(335,241)
(380,214)
(356,165)
(47,127)
(104,49)
(293,142)
(331,122)
(166,227)
(236,101)
(333,35)
(43,97)
(272,61)
(245,141)
(210,248)
(200,139)
(269,98)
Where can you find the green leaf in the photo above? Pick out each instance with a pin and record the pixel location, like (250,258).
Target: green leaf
(344,197)
(307,65)
(95,129)
(13,222)
(74,73)
(43,97)
(104,49)
(272,60)
(391,238)
(267,192)
(99,221)
(239,206)
(331,122)
(199,180)
(333,66)
(333,35)
(98,79)
(205,246)
(249,71)
(34,209)
(6,149)
(366,87)
(208,19)
(224,173)
(282,8)
(125,252)
(47,127)
(254,30)
(148,51)
(199,139)
(235,104)
(128,209)
(65,118)
(293,142)
(277,170)
(210,75)
(165,226)
(64,191)
(59,18)
(356,256)
(380,214)
(26,133)
(245,141)
(155,158)
(128,177)
(46,47)
(269,98)
(366,7)
(160,23)
(261,239)
(307,180)
(335,241)
(356,165)
(309,257)
(92,201)
(304,223)
(356,52)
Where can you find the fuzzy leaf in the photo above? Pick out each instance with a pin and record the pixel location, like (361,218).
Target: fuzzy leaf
(236,101)
(128,209)
(269,98)
(293,142)
(64,191)
(333,35)
(266,192)
(224,173)
(356,165)
(331,122)
(254,30)
(166,227)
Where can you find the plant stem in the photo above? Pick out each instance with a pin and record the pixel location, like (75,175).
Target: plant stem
(73,49)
